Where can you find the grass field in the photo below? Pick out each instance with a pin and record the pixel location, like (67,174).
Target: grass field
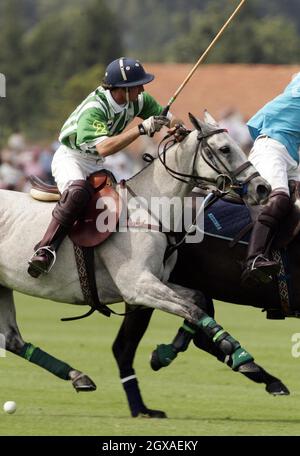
(201,396)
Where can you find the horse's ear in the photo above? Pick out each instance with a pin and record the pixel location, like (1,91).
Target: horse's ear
(209,119)
(198,124)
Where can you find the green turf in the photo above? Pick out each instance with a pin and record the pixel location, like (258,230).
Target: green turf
(200,395)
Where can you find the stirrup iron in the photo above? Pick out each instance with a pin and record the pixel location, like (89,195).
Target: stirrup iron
(258,257)
(52,258)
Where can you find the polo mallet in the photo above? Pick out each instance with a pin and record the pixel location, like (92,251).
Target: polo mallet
(173,98)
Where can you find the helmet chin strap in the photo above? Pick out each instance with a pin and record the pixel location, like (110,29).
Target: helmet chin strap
(127,94)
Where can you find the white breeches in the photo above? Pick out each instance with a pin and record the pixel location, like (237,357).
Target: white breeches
(69,165)
(273,162)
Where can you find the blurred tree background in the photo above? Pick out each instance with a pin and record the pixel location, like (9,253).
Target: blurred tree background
(53,52)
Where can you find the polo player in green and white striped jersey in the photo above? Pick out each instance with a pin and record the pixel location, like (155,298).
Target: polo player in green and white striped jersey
(92,132)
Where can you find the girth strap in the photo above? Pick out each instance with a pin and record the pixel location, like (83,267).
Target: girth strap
(85,265)
(240,235)
(86,271)
(282,284)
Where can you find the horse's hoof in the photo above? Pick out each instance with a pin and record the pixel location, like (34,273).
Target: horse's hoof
(83,383)
(277,389)
(151,414)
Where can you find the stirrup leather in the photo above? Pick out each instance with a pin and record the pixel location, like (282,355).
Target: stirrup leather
(52,258)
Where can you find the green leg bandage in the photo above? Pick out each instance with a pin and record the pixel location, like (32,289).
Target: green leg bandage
(166,354)
(37,356)
(240,357)
(220,337)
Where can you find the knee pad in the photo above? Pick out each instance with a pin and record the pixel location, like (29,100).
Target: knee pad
(277,207)
(73,201)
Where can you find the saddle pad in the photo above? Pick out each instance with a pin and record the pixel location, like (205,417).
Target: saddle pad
(225,220)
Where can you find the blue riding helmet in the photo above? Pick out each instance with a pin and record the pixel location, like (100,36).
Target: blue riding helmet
(125,72)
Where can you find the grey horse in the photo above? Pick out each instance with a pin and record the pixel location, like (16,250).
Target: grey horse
(129,265)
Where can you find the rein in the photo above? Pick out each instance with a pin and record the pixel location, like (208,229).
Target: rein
(226,177)
(210,199)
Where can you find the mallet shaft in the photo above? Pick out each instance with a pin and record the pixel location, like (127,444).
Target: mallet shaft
(173,98)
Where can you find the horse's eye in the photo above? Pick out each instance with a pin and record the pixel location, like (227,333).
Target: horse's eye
(225,149)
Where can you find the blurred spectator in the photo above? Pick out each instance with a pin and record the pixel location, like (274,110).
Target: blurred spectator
(11,178)
(18,160)
(45,160)
(16,142)
(233,121)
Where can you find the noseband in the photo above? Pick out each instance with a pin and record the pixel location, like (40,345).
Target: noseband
(226,177)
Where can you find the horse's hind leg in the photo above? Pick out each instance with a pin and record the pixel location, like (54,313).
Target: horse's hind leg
(124,348)
(149,291)
(14,343)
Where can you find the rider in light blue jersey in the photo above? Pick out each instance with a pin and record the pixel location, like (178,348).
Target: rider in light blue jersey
(275,153)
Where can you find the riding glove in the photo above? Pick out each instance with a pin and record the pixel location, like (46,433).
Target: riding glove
(153,124)
(179,131)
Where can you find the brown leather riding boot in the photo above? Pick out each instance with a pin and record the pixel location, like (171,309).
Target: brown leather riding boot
(45,255)
(258,265)
(70,207)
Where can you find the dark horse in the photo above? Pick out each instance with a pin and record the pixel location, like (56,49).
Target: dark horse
(201,266)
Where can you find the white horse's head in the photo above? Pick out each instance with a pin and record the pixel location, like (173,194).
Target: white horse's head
(222,162)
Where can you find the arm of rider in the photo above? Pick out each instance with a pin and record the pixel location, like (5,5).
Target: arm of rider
(116,143)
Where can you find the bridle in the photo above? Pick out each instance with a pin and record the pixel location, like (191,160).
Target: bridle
(226,178)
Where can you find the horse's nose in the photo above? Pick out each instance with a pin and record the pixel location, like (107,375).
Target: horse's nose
(263,191)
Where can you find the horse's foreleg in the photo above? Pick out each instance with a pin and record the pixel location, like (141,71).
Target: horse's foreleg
(245,366)
(166,353)
(257,374)
(14,343)
(249,369)
(150,291)
(221,343)
(124,348)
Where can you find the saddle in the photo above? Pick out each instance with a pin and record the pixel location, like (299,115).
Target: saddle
(85,232)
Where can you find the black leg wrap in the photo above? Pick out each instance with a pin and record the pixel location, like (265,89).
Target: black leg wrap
(183,337)
(134,397)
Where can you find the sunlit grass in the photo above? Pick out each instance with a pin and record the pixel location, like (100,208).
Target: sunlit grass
(200,395)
